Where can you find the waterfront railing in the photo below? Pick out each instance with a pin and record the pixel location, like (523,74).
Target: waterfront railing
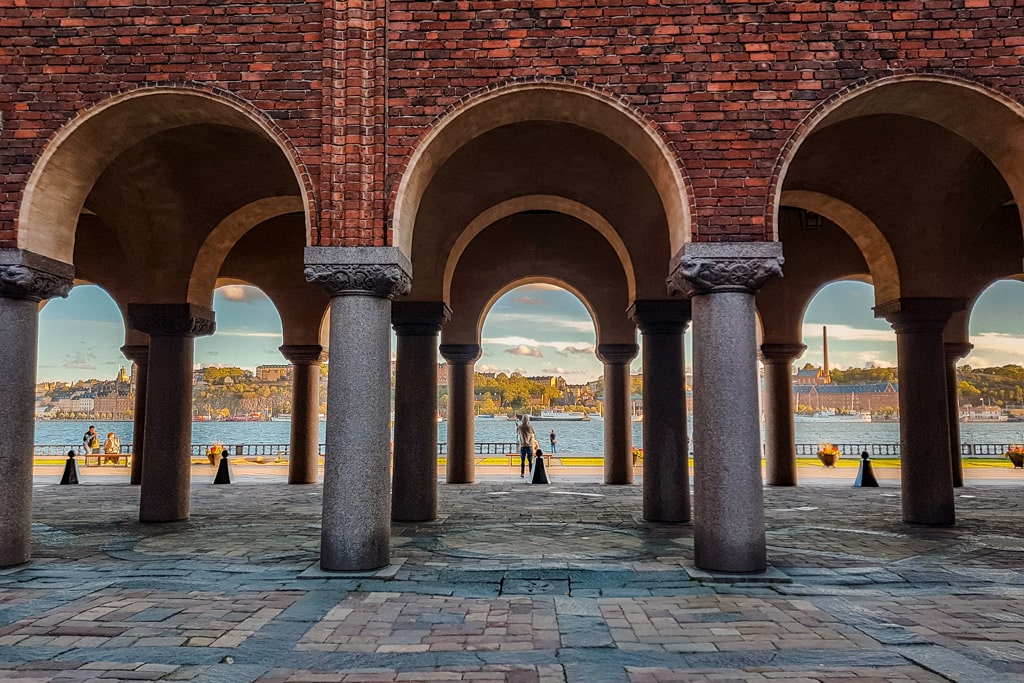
(279,451)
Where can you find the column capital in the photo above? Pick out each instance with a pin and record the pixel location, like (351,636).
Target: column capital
(302,354)
(919,314)
(660,316)
(460,353)
(781,353)
(26,275)
(954,351)
(136,353)
(419,318)
(617,354)
(171,320)
(359,271)
(714,267)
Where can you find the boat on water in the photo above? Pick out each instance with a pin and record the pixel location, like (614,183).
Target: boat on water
(281,417)
(560,415)
(832,416)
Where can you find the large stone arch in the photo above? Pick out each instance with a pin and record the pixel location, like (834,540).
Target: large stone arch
(553,203)
(543,101)
(985,118)
(869,239)
(223,237)
(76,156)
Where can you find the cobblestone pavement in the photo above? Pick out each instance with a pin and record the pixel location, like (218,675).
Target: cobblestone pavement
(514,583)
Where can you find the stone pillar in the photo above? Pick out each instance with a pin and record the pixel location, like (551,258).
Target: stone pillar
(618,427)
(666,451)
(304,449)
(926,470)
(167,467)
(779,437)
(414,479)
(461,360)
(139,355)
(356,533)
(954,352)
(25,280)
(721,278)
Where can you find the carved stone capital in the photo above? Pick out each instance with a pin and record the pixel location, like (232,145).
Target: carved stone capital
(909,315)
(781,353)
(660,316)
(136,353)
(25,275)
(954,351)
(419,318)
(359,271)
(617,354)
(713,267)
(171,320)
(303,354)
(460,354)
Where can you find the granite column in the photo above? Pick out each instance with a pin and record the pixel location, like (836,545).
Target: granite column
(461,360)
(926,470)
(666,452)
(720,278)
(618,428)
(304,449)
(25,280)
(779,436)
(356,531)
(167,469)
(954,352)
(139,355)
(414,479)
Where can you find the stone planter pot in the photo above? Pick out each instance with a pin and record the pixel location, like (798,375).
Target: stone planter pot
(828,459)
(1017,459)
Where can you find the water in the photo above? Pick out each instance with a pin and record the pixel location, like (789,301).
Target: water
(573,437)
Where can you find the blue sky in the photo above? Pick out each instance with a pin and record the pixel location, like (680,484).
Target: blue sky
(535,329)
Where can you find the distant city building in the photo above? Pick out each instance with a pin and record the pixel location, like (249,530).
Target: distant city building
(812,376)
(281,373)
(875,397)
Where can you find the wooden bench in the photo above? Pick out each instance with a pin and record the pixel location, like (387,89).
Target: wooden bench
(123,459)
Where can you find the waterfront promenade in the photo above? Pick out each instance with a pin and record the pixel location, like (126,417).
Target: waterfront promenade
(514,583)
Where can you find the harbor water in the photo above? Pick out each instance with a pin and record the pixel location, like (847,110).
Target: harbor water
(573,437)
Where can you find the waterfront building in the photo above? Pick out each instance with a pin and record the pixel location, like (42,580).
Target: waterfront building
(404,164)
(872,398)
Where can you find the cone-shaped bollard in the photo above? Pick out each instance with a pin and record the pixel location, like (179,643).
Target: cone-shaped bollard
(71,474)
(865,477)
(538,474)
(223,470)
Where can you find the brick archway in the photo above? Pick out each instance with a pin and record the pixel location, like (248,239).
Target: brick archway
(76,156)
(549,102)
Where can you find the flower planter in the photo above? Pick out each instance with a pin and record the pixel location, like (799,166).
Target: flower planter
(1017,459)
(828,459)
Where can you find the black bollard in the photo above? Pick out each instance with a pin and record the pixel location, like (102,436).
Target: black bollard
(71,474)
(865,476)
(223,470)
(538,475)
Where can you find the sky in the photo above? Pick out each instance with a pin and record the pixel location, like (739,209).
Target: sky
(535,329)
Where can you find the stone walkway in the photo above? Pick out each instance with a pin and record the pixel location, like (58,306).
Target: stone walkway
(514,583)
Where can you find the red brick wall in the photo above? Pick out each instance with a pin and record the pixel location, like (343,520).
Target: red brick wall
(60,56)
(726,83)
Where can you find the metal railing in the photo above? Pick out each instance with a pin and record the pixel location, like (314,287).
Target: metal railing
(197,450)
(485,448)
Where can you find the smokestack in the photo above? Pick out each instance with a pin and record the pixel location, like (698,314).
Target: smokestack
(824,343)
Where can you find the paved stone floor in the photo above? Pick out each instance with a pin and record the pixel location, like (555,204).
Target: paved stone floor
(514,583)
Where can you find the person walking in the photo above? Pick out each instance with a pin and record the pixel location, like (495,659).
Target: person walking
(554,440)
(526,440)
(112,449)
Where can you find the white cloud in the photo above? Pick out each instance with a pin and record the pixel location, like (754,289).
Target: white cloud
(247,333)
(554,371)
(489,368)
(548,322)
(527,341)
(241,293)
(524,350)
